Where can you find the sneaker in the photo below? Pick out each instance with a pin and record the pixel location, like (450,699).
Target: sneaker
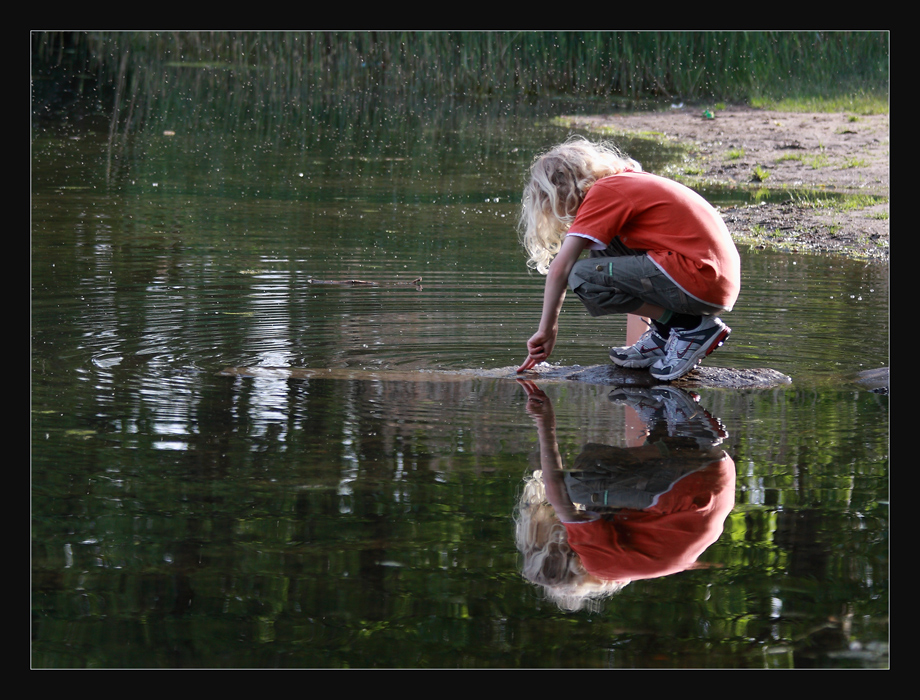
(686,348)
(647,351)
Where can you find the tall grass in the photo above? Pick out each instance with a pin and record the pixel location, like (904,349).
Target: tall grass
(273,70)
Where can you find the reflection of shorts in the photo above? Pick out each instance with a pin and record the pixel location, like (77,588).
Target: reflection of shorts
(609,285)
(606,478)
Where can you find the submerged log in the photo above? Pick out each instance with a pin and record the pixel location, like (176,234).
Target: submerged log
(366,283)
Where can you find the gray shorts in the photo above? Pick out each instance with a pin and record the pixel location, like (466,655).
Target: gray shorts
(621,284)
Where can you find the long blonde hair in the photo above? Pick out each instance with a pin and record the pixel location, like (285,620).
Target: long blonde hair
(559,181)
(547,558)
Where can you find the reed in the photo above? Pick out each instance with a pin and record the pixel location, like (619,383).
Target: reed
(250,71)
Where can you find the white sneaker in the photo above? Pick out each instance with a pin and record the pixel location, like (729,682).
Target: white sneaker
(646,351)
(687,348)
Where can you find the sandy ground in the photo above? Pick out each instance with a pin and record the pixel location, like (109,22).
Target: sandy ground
(799,152)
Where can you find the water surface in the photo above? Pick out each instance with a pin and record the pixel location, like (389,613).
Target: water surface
(185,519)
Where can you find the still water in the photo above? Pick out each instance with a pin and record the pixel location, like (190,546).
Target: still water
(363,514)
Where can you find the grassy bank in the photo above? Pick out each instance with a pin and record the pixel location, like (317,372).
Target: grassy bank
(731,66)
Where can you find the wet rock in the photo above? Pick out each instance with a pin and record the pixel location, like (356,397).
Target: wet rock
(733,378)
(874,379)
(700,377)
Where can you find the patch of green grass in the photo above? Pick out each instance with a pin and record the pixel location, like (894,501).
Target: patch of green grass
(858,102)
(817,161)
(608,131)
(846,203)
(814,160)
(693,170)
(734,153)
(853,162)
(764,232)
(760,174)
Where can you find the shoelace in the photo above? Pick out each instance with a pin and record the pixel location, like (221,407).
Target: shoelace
(674,338)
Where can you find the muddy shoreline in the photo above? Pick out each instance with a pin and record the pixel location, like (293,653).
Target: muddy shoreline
(820,160)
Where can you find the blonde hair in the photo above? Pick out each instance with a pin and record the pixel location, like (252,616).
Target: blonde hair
(548,560)
(559,181)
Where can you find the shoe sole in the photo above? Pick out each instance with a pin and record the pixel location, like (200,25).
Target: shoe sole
(719,342)
(634,364)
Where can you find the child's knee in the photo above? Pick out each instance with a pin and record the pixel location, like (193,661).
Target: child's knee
(600,295)
(587,271)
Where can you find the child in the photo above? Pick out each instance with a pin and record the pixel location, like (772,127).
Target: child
(658,250)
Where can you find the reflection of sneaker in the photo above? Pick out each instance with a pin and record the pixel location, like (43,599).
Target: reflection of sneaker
(671,415)
(679,406)
(646,405)
(685,417)
(687,347)
(647,350)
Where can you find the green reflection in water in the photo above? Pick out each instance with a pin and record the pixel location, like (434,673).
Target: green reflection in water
(368,523)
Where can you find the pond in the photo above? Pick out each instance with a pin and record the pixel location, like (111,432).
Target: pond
(352,501)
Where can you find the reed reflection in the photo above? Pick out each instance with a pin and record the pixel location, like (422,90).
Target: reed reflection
(620,514)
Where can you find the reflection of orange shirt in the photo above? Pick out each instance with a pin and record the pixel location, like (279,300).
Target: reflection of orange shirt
(663,539)
(683,234)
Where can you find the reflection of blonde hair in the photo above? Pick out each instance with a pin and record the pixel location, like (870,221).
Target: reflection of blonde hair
(559,181)
(548,560)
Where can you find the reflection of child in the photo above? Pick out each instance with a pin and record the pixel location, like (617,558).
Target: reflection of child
(659,250)
(548,560)
(664,538)
(642,512)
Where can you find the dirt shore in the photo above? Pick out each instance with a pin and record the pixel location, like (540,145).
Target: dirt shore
(815,157)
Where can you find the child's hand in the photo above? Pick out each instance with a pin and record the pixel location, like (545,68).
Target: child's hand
(529,363)
(539,348)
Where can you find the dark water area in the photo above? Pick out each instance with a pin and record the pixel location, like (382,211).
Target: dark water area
(366,518)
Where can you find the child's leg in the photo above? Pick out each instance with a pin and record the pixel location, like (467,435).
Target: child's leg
(636,325)
(635,285)
(613,285)
(671,319)
(617,284)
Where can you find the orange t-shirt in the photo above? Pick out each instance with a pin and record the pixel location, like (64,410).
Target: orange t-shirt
(681,232)
(662,539)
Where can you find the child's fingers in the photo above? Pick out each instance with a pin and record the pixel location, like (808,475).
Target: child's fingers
(528,363)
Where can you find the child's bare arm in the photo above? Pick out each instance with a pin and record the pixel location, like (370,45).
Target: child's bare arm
(541,344)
